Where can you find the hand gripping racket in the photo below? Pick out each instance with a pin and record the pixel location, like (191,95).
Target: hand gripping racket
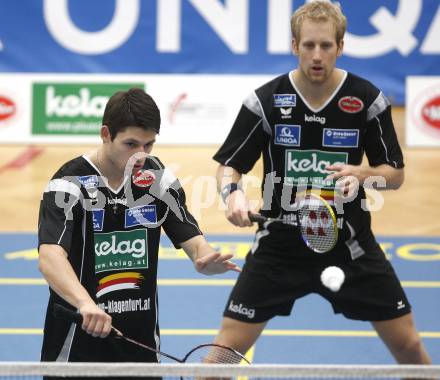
(203,353)
(316,221)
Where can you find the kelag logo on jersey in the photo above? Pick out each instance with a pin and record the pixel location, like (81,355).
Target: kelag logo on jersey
(98,220)
(121,250)
(344,138)
(141,215)
(288,135)
(88,181)
(307,167)
(284,100)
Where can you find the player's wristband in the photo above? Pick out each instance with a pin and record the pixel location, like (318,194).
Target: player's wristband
(228,190)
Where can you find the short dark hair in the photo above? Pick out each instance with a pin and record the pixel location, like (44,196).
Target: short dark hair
(132,108)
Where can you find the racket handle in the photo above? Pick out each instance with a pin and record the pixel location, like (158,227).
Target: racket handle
(60,311)
(258,218)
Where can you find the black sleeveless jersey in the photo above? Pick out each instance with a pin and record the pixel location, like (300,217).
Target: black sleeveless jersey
(297,143)
(112,240)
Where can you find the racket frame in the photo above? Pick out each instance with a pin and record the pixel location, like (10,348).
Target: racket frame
(63,312)
(320,201)
(258,218)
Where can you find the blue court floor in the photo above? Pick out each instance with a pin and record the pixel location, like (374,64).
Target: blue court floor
(191,306)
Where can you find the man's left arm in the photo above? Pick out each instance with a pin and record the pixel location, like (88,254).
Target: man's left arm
(206,259)
(349,177)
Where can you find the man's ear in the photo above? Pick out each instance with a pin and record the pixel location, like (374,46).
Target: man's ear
(294,47)
(340,47)
(105,134)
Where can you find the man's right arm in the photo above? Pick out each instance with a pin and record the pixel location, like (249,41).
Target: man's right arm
(238,155)
(60,276)
(236,201)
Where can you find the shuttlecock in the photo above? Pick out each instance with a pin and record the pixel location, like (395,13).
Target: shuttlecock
(333,278)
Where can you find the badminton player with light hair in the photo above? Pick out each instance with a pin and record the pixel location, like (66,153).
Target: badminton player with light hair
(312,127)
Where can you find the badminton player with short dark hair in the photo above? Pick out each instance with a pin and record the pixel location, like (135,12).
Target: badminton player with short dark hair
(99,228)
(312,126)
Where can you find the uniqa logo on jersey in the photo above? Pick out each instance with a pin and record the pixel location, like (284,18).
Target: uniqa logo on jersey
(308,167)
(287,135)
(121,250)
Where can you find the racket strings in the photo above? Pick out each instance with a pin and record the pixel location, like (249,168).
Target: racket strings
(214,355)
(317,227)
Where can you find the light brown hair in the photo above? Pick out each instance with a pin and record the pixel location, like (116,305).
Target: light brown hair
(319,11)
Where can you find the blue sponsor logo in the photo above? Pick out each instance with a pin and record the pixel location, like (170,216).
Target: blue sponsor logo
(140,215)
(341,138)
(88,181)
(288,135)
(98,220)
(284,100)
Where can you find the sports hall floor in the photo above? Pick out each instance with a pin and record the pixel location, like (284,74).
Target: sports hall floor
(408,227)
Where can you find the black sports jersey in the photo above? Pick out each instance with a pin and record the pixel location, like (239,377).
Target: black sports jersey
(112,241)
(298,142)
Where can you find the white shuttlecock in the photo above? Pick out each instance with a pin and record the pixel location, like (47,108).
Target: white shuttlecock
(333,278)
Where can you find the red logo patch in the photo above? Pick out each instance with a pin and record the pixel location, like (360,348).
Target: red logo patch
(351,104)
(143,178)
(7,108)
(431,112)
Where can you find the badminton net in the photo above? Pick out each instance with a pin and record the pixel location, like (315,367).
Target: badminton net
(35,371)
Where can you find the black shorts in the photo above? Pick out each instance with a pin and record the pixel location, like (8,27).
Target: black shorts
(268,286)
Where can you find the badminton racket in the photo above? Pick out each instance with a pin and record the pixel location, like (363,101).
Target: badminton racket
(316,221)
(206,353)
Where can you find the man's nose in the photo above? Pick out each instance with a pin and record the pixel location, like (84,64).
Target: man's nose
(317,54)
(142,150)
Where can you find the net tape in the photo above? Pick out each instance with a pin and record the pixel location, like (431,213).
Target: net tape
(218,370)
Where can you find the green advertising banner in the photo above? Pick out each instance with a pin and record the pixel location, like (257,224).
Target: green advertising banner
(71,108)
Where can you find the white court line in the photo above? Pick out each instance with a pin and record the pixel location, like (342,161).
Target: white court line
(269,332)
(196,282)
